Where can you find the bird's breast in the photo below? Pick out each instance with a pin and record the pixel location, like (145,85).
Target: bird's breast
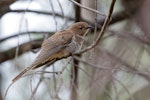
(74,45)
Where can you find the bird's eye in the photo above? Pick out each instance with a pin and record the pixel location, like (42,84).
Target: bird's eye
(81,27)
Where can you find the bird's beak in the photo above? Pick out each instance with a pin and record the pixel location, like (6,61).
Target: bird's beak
(90,27)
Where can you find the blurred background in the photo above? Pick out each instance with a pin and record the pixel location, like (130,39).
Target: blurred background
(118,68)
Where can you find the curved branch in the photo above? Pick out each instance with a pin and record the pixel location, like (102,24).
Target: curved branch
(23,48)
(24,33)
(41,12)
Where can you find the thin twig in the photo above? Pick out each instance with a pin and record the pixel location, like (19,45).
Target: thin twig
(87,8)
(93,65)
(53,13)
(41,12)
(7,89)
(128,67)
(83,39)
(96,82)
(38,84)
(61,8)
(95,30)
(126,89)
(139,57)
(115,90)
(20,26)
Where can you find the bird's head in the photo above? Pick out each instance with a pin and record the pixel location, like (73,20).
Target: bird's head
(79,28)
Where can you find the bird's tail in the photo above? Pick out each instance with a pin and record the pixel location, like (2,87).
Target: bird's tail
(22,73)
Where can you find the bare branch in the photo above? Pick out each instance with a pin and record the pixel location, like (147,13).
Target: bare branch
(4,6)
(124,87)
(25,33)
(10,54)
(129,68)
(41,12)
(139,39)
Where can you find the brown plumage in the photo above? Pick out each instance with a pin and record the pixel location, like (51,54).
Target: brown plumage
(60,45)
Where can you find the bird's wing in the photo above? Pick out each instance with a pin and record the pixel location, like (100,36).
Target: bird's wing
(52,47)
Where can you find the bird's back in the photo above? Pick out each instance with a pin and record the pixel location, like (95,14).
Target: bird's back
(53,48)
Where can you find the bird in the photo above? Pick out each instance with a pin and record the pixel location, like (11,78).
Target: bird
(60,45)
